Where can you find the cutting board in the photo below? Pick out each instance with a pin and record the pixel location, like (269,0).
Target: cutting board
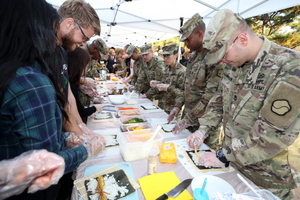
(153,186)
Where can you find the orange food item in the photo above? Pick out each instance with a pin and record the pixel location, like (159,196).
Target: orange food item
(128,108)
(114,79)
(168,153)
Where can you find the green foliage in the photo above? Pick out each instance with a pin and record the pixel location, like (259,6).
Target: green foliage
(272,25)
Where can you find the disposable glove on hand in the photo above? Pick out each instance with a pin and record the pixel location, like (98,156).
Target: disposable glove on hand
(180,126)
(174,112)
(195,139)
(89,91)
(209,159)
(86,131)
(153,83)
(162,87)
(94,145)
(98,100)
(89,82)
(36,169)
(131,88)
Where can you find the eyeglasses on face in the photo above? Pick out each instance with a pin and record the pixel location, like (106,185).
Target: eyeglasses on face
(225,55)
(84,36)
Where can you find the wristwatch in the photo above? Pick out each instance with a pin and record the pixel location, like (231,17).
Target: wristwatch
(220,155)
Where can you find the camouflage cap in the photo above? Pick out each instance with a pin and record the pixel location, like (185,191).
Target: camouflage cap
(188,27)
(169,49)
(102,48)
(218,32)
(145,49)
(130,50)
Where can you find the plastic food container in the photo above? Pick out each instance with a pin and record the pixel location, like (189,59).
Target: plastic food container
(129,112)
(133,119)
(135,146)
(131,127)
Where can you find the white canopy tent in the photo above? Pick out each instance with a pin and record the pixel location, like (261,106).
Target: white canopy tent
(145,21)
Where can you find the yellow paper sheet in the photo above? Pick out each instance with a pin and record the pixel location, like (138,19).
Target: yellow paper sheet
(155,185)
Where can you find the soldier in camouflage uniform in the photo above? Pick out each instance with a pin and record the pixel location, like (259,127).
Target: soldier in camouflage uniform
(133,53)
(152,69)
(260,96)
(120,65)
(201,81)
(172,85)
(97,50)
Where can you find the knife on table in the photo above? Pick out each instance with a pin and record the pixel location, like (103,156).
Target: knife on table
(176,190)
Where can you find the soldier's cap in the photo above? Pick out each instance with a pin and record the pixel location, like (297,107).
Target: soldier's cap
(101,46)
(169,49)
(218,32)
(130,50)
(189,26)
(145,49)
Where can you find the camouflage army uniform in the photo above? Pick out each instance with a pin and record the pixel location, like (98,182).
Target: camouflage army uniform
(201,83)
(261,118)
(150,71)
(137,65)
(173,97)
(121,66)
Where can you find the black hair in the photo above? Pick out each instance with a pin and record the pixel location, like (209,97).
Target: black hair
(28,34)
(77,62)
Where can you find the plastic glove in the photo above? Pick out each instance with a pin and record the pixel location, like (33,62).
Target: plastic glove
(98,108)
(209,159)
(88,90)
(180,126)
(143,96)
(98,100)
(162,87)
(195,139)
(153,83)
(89,82)
(86,131)
(37,170)
(174,112)
(131,88)
(94,145)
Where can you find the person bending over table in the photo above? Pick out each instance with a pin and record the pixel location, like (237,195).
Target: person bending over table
(260,113)
(172,85)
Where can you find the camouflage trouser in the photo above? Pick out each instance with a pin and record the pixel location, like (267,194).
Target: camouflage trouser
(85,99)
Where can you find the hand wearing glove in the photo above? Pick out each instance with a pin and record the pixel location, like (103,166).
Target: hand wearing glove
(131,88)
(86,131)
(143,96)
(94,145)
(174,112)
(89,82)
(195,139)
(98,100)
(153,83)
(180,126)
(98,108)
(162,87)
(209,159)
(88,90)
(36,169)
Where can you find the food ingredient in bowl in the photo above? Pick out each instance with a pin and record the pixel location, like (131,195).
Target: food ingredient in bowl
(134,120)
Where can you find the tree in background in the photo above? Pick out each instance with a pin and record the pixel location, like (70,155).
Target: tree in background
(282,27)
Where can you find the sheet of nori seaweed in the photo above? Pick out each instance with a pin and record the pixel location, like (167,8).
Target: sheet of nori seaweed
(121,179)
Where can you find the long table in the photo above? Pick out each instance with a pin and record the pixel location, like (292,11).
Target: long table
(139,167)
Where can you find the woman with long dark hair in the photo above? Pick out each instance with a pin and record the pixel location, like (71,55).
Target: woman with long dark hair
(78,61)
(31,87)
